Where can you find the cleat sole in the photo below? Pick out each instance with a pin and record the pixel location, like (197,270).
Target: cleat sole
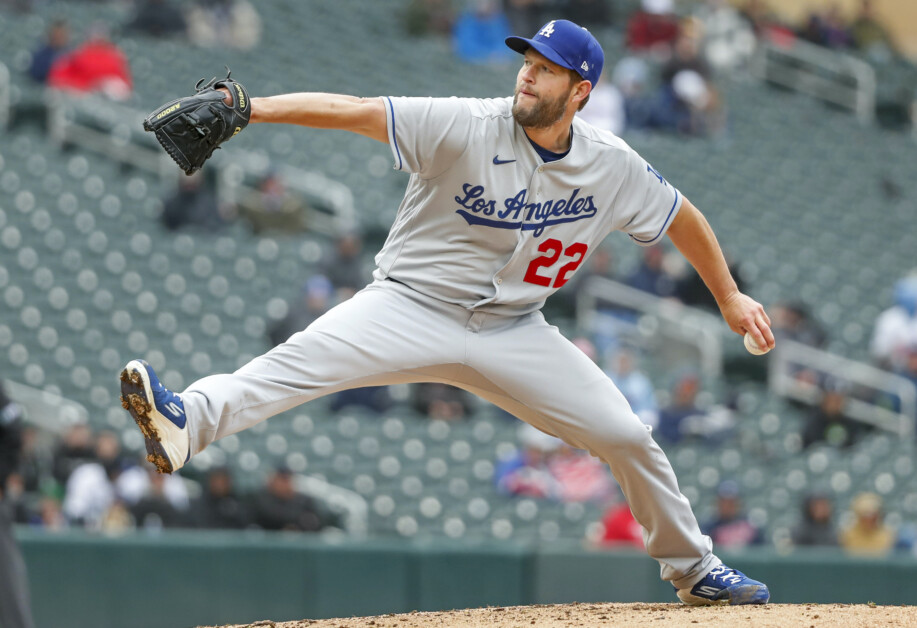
(133,399)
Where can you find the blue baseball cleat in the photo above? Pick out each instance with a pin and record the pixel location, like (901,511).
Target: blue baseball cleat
(160,415)
(724,585)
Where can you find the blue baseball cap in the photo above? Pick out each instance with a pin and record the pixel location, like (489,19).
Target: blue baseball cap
(566,44)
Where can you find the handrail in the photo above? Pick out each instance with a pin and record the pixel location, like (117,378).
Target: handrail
(705,332)
(312,185)
(789,356)
(680,323)
(343,501)
(115,130)
(5,97)
(47,410)
(832,76)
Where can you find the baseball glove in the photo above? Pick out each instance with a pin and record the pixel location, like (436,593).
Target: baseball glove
(191,128)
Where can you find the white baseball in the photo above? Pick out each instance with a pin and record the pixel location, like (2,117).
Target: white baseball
(752,346)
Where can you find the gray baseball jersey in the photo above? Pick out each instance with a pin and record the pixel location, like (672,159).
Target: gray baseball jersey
(487,225)
(487,230)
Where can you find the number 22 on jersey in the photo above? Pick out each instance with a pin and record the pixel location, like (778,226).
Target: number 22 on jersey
(553,249)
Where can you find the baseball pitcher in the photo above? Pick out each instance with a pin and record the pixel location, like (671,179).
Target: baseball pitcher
(506,199)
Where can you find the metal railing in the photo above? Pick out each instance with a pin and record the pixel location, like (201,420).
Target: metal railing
(670,323)
(789,358)
(330,206)
(49,411)
(5,97)
(659,317)
(100,125)
(834,77)
(352,508)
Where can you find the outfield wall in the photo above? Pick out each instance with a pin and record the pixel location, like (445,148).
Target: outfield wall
(179,579)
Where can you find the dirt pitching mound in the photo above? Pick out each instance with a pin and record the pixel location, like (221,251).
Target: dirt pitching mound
(657,615)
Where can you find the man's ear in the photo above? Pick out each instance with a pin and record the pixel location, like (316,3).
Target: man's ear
(581,91)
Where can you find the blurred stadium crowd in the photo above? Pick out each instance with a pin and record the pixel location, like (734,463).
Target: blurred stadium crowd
(430,460)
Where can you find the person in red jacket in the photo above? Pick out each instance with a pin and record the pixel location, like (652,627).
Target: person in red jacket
(652,27)
(98,65)
(619,528)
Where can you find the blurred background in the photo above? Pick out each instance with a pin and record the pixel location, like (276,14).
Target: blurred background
(789,123)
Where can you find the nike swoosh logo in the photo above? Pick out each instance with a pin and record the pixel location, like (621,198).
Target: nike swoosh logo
(498,161)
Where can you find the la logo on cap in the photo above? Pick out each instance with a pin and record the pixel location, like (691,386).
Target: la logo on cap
(548,29)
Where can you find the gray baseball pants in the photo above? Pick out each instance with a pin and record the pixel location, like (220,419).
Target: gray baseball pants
(391,334)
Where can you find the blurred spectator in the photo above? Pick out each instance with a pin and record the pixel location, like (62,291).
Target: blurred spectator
(728,39)
(867,534)
(479,33)
(11,417)
(826,28)
(635,386)
(224,23)
(50,515)
(653,28)
(619,528)
(869,36)
(375,398)
(157,18)
(136,482)
(526,473)
(19,504)
(817,526)
(682,406)
(792,321)
(682,418)
(424,17)
(580,477)
(155,509)
(344,268)
(691,290)
(219,506)
(117,519)
(546,468)
(686,55)
(688,102)
(15,605)
(764,22)
(90,490)
(605,109)
(441,401)
(280,507)
(76,447)
(632,77)
(98,65)
(36,461)
(273,206)
(193,204)
(731,529)
(828,423)
(652,275)
(896,327)
(57,40)
(314,300)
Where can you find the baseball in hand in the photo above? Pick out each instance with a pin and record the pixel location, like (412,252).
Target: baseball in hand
(752,346)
